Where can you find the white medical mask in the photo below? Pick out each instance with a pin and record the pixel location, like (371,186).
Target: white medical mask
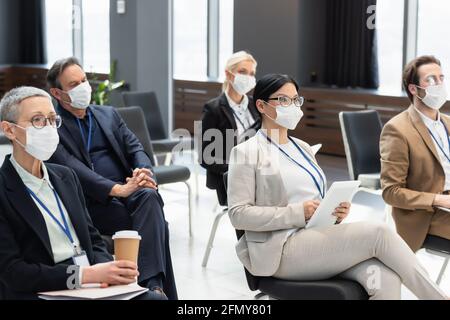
(288,117)
(41,143)
(81,96)
(435,96)
(243,84)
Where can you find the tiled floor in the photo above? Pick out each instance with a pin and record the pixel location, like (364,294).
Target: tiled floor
(224,277)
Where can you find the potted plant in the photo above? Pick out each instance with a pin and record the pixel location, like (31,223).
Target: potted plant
(100,95)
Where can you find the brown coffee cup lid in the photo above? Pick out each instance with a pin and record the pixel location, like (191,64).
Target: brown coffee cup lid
(126,234)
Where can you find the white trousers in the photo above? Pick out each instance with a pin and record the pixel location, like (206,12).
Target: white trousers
(370,253)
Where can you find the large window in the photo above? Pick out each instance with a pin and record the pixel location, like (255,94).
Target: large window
(79,28)
(427,30)
(190,37)
(190,33)
(226,34)
(434,31)
(59,29)
(96,54)
(389,24)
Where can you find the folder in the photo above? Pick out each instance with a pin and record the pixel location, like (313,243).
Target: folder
(124,292)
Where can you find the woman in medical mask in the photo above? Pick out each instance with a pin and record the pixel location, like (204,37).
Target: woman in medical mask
(233,112)
(48,241)
(275,186)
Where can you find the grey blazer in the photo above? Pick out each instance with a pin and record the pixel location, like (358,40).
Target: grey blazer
(258,204)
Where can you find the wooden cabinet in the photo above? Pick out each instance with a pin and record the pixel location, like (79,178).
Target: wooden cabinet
(190,97)
(15,76)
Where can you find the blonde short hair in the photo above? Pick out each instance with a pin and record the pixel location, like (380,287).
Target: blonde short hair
(233,62)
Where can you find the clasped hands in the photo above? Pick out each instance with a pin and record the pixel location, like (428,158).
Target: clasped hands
(141,179)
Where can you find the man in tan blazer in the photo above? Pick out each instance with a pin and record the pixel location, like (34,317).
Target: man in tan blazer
(415,156)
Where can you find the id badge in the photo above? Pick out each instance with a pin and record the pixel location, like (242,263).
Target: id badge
(81,260)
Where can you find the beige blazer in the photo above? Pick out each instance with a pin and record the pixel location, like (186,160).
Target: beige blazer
(411,176)
(258,204)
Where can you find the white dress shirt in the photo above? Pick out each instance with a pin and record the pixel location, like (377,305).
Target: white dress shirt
(440,134)
(242,115)
(298,184)
(61,247)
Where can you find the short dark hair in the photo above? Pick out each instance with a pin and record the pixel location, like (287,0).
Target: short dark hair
(410,73)
(271,83)
(58,68)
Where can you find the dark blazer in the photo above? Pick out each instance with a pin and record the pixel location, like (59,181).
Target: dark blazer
(26,258)
(217,114)
(71,151)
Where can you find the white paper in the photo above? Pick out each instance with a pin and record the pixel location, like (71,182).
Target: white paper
(125,292)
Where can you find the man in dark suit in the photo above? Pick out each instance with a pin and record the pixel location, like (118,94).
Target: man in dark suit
(114,171)
(44,222)
(228,120)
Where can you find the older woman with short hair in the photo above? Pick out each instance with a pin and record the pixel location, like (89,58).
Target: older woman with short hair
(45,228)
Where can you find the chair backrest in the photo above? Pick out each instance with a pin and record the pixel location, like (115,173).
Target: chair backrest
(361,132)
(134,119)
(150,106)
(252,281)
(5,147)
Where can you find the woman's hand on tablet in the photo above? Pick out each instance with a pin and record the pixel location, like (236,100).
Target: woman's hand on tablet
(342,211)
(309,207)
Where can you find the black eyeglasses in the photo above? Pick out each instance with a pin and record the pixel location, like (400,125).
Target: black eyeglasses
(286,101)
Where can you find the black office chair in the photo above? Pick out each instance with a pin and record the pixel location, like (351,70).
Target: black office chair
(134,118)
(440,247)
(161,142)
(331,289)
(361,132)
(4,140)
(5,147)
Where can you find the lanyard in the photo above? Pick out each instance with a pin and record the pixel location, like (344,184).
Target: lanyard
(240,120)
(89,139)
(65,228)
(319,188)
(438,144)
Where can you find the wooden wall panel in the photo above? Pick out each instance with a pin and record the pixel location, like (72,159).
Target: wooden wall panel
(322,107)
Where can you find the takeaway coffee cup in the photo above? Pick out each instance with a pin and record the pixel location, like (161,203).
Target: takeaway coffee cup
(126,245)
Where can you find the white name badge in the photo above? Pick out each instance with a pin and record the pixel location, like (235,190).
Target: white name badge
(81,260)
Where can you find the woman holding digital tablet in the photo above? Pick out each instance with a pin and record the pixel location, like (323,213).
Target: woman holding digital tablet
(275,186)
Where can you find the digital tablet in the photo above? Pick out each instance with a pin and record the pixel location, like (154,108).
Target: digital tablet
(339,192)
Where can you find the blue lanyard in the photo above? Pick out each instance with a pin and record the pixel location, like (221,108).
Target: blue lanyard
(322,179)
(441,147)
(64,228)
(89,139)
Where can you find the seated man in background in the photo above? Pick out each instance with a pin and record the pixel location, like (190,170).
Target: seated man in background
(415,156)
(114,171)
(44,222)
